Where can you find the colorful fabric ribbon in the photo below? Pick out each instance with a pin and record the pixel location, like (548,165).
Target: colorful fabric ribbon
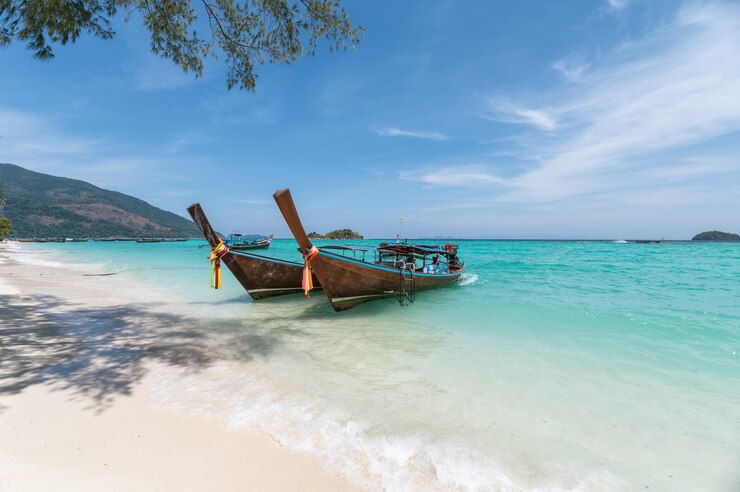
(307,283)
(216,254)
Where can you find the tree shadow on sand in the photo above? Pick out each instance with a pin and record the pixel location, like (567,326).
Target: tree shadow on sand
(99,352)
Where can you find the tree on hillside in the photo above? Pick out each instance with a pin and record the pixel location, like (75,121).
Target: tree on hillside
(245,32)
(4,222)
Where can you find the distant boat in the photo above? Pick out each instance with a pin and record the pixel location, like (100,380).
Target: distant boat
(76,240)
(261,276)
(150,240)
(649,241)
(395,270)
(105,239)
(237,242)
(49,240)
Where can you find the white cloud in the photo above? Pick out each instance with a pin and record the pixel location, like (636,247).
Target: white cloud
(678,87)
(640,119)
(505,111)
(571,68)
(644,144)
(469,175)
(42,143)
(618,4)
(25,135)
(185,140)
(397,132)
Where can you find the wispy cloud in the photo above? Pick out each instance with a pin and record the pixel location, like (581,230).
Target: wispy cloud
(678,87)
(617,4)
(397,132)
(637,119)
(469,175)
(185,140)
(26,135)
(504,111)
(41,142)
(571,67)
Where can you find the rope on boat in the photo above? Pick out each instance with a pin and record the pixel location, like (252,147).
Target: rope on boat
(307,283)
(216,254)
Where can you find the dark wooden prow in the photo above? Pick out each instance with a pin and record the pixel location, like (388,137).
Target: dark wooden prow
(285,203)
(201,221)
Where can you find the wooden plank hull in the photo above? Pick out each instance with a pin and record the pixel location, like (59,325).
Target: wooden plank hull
(348,282)
(243,247)
(355,282)
(261,276)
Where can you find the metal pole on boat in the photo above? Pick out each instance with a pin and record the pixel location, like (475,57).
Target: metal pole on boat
(400,231)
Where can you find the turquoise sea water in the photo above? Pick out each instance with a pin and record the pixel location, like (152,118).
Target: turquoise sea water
(553,365)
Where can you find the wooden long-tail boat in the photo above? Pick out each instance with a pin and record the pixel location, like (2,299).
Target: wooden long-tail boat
(237,242)
(348,282)
(261,276)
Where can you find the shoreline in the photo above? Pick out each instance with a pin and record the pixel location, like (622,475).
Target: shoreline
(75,408)
(474,393)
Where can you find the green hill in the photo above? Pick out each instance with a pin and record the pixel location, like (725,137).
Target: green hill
(41,205)
(338,234)
(716,236)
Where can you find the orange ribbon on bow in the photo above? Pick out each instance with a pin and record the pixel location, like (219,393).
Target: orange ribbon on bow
(216,254)
(307,283)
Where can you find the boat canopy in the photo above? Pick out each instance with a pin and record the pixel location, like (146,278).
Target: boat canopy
(399,248)
(421,249)
(236,235)
(349,247)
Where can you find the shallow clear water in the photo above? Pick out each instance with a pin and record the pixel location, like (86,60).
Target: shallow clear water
(553,365)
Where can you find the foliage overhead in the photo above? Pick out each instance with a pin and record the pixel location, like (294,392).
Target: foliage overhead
(245,32)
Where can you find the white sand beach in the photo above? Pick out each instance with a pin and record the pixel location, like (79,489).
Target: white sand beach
(74,407)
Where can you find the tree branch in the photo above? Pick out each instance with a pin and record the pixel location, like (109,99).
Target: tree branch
(212,15)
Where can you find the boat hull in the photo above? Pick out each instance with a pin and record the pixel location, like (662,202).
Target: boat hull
(242,247)
(355,282)
(263,277)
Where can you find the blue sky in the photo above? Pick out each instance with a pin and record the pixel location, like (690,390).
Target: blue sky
(528,119)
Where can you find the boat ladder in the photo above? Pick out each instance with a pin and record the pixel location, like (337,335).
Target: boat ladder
(407,285)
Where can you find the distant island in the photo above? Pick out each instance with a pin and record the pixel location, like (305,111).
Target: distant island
(338,234)
(716,236)
(41,205)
